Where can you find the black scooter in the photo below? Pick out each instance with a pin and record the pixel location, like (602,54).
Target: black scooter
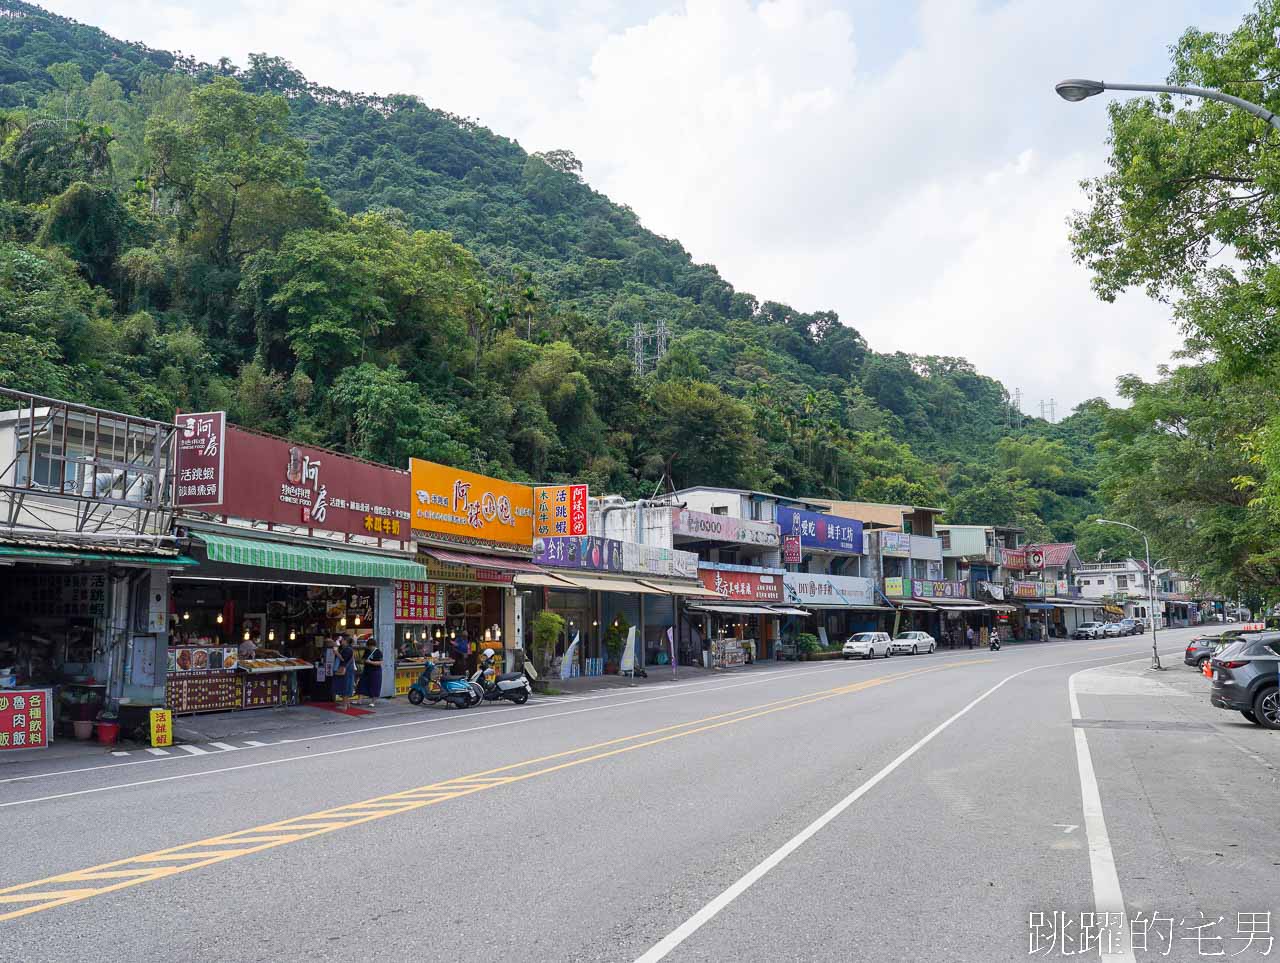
(994,644)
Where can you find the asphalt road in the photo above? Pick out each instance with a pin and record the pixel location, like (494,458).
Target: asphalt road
(916,808)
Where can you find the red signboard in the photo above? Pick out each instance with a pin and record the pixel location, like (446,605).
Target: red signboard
(201,447)
(24,719)
(419,602)
(269,479)
(743,586)
(792,550)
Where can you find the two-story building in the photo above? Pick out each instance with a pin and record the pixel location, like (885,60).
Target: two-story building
(1116,589)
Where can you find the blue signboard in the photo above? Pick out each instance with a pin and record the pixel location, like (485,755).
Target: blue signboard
(825,533)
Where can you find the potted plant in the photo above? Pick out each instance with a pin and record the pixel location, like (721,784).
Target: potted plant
(547,629)
(806,644)
(615,640)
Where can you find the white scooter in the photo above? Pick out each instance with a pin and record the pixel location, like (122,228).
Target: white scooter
(514,686)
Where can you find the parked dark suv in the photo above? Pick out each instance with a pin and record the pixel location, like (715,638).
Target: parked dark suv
(1245,678)
(1201,648)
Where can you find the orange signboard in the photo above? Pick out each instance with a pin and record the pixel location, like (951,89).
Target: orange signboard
(461,504)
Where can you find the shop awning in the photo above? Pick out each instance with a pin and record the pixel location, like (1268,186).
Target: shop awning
(1037,606)
(963,608)
(734,609)
(1003,608)
(542,580)
(687,589)
(913,604)
(482,561)
(304,558)
(790,611)
(942,602)
(75,555)
(609,584)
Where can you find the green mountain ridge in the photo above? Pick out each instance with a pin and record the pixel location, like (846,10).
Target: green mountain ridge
(373,274)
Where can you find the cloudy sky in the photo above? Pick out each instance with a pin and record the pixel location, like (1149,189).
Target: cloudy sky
(907,165)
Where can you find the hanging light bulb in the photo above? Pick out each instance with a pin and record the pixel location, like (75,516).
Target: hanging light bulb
(186,616)
(453,634)
(271,635)
(246,635)
(343,621)
(293,636)
(357,620)
(219,618)
(408,634)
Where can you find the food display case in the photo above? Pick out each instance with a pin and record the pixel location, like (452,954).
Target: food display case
(204,678)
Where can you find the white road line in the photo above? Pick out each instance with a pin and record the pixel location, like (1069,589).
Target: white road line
(224,747)
(120,752)
(194,750)
(255,744)
(373,745)
(158,752)
(1107,896)
(663,947)
(443,718)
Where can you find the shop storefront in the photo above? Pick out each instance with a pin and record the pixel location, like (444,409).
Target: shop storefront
(840,605)
(746,612)
(298,548)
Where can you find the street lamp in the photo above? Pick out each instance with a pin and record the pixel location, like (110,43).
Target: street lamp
(1151,599)
(1077,90)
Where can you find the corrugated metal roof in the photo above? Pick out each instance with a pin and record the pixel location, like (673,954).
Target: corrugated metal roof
(1056,554)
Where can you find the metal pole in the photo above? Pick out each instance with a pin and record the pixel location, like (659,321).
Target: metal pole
(1151,606)
(1076,90)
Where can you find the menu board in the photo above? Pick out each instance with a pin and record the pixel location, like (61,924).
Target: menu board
(81,595)
(24,719)
(204,691)
(202,658)
(419,601)
(264,691)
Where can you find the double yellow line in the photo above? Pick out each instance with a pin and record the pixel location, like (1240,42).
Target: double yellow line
(54,891)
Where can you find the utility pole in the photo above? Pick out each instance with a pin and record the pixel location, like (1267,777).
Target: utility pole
(1053,412)
(1042,410)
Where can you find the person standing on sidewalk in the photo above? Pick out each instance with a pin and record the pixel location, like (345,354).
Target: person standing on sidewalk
(968,637)
(371,677)
(344,674)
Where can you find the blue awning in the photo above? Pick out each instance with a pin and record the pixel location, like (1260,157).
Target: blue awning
(1036,605)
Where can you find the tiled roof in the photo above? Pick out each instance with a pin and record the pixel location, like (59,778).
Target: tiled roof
(1055,553)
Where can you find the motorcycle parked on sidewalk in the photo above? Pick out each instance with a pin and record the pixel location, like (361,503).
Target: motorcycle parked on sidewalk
(514,686)
(433,685)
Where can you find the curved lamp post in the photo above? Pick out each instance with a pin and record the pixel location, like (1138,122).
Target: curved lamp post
(1151,598)
(1078,90)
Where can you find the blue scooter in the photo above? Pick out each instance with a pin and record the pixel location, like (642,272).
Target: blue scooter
(434,686)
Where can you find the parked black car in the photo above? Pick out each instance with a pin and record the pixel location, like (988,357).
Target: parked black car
(1245,678)
(1130,626)
(1200,650)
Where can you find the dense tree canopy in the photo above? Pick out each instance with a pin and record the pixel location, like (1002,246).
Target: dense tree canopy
(372,274)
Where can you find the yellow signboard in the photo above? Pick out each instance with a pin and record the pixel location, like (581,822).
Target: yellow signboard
(462,504)
(161,727)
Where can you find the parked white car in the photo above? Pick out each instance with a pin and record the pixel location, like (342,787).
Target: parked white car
(1113,630)
(868,645)
(913,643)
(1089,630)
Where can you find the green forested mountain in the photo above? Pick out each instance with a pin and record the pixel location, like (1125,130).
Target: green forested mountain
(372,274)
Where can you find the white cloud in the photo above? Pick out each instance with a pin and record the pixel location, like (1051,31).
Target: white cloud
(925,200)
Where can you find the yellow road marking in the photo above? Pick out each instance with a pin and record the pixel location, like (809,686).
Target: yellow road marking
(55,891)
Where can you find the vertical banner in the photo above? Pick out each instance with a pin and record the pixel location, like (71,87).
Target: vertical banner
(570,658)
(199,466)
(628,663)
(792,551)
(161,728)
(559,510)
(24,718)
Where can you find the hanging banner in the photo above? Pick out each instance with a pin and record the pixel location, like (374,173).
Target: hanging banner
(824,533)
(559,510)
(895,586)
(419,601)
(589,552)
(628,663)
(199,455)
(569,661)
(792,552)
(935,589)
(828,591)
(895,543)
(1013,558)
(463,506)
(1035,559)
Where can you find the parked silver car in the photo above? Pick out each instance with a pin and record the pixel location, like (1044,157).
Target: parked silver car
(913,643)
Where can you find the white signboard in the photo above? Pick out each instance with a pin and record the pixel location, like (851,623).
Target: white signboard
(828,591)
(724,528)
(895,543)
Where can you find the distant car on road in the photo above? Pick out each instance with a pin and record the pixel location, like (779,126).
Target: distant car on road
(868,645)
(1112,630)
(913,643)
(1245,679)
(1088,630)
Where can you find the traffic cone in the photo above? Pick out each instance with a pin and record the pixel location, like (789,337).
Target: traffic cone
(1208,668)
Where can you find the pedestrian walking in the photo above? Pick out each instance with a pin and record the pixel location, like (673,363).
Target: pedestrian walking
(968,637)
(344,673)
(371,677)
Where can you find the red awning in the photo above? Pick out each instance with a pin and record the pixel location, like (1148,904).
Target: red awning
(482,561)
